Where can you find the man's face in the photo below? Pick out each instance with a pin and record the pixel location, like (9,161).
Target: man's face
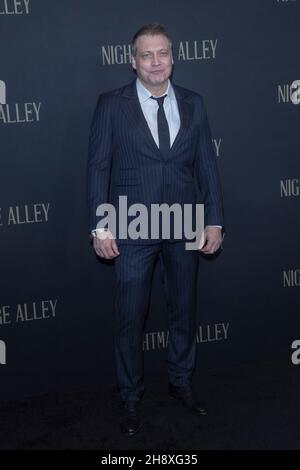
(153,61)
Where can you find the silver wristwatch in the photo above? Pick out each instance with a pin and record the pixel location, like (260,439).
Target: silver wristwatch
(98,230)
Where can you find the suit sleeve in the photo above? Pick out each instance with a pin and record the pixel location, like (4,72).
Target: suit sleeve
(99,159)
(206,172)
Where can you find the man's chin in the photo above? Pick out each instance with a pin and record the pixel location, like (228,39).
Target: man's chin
(158,80)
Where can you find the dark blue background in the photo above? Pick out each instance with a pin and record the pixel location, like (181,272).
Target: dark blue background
(53,55)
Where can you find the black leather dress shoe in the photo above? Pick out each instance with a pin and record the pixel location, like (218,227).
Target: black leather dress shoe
(186,397)
(131,421)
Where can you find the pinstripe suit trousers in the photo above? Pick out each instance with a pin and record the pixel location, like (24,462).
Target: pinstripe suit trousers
(134,271)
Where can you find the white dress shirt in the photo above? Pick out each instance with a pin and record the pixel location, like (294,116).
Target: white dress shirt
(150,107)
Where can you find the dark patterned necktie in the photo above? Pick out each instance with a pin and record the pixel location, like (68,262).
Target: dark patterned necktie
(162,126)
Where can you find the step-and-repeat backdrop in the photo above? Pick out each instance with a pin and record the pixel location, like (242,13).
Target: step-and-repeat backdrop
(57,298)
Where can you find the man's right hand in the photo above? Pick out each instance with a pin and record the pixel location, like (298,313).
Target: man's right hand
(105,245)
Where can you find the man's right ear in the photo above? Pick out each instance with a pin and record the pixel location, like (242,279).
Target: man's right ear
(133,63)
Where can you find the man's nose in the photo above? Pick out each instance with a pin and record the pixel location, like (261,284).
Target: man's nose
(155,60)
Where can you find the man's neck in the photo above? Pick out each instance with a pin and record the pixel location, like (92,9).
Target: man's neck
(156,91)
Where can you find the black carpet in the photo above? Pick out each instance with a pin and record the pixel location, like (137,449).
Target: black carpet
(250,407)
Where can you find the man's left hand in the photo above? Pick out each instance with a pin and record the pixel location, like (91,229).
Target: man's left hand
(212,240)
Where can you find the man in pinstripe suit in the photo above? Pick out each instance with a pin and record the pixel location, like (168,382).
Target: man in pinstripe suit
(150,140)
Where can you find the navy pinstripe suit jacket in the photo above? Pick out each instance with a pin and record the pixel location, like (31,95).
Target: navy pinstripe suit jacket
(124,159)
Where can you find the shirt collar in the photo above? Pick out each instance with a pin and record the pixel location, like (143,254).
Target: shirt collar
(145,94)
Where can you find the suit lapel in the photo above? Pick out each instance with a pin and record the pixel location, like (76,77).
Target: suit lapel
(185,109)
(131,107)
